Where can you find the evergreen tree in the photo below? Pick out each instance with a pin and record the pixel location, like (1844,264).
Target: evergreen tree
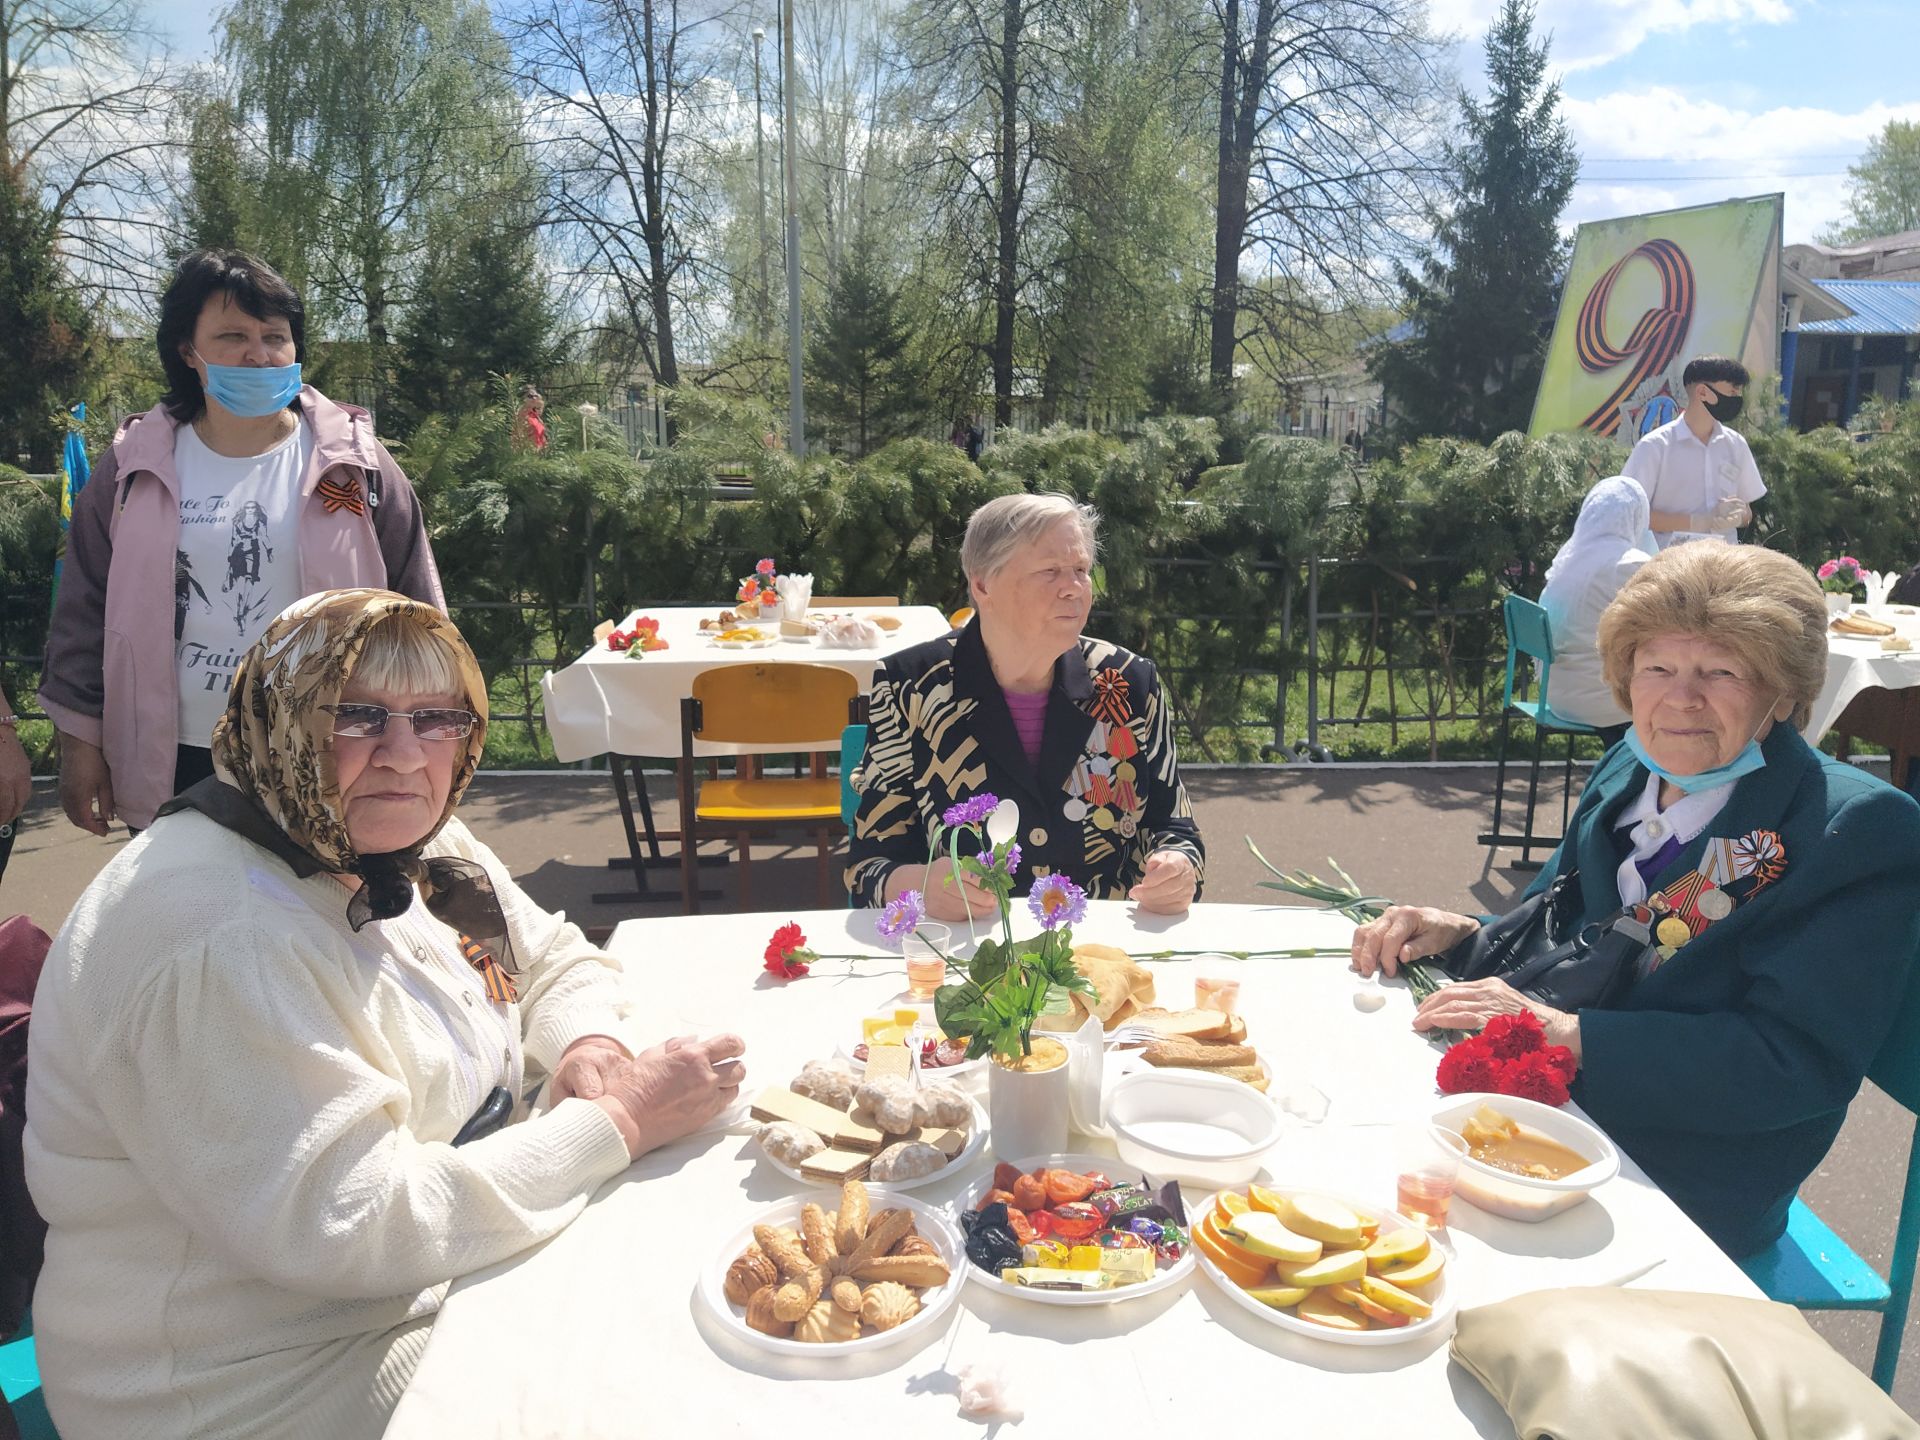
(1483,301)
(860,381)
(1883,190)
(49,353)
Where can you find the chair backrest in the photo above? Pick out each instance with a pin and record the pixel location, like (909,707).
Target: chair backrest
(805,706)
(1529,632)
(961,616)
(823,602)
(853,745)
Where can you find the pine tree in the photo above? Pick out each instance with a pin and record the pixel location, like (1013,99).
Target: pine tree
(1482,304)
(860,380)
(49,353)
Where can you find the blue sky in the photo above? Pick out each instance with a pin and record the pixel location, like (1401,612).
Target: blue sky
(1672,102)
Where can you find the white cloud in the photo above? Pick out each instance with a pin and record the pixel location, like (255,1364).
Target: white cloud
(1588,33)
(1658,148)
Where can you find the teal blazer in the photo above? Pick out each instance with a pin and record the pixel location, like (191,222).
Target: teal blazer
(1726,1072)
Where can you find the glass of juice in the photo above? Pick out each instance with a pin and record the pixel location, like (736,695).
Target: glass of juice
(923,946)
(1429,1163)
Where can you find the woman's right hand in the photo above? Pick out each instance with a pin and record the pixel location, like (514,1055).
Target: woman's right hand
(948,896)
(672,1089)
(86,787)
(1405,933)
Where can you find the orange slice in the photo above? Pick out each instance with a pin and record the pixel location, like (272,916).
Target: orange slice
(1229,1203)
(1243,1269)
(1261,1198)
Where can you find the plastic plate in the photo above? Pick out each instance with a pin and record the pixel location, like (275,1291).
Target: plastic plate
(976,1142)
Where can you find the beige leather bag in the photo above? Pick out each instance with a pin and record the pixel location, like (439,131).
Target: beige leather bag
(1618,1364)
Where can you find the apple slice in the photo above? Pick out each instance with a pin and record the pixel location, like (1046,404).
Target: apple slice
(1385,1292)
(1319,1308)
(1401,1247)
(1280,1297)
(1320,1218)
(1263,1234)
(1342,1267)
(1420,1274)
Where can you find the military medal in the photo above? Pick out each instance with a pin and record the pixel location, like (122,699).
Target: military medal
(1672,932)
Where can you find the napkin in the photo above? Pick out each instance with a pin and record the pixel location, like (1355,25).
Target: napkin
(794,592)
(1878,585)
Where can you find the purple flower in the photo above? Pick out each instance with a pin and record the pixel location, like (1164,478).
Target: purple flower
(903,912)
(1010,861)
(1057,901)
(970,812)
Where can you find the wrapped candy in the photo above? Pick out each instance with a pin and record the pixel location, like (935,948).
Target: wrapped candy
(1042,1222)
(1084,1257)
(1021,1226)
(991,1242)
(1045,1254)
(1172,1243)
(1109,1200)
(1125,1239)
(1077,1221)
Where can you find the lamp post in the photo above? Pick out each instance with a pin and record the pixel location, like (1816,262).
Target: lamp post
(760,171)
(796,401)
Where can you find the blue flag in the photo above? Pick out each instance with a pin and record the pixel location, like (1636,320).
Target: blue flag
(75,473)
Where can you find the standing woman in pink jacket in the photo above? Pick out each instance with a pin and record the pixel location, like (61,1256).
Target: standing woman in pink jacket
(240,492)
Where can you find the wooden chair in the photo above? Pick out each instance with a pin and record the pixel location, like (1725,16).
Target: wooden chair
(961,616)
(1812,1268)
(836,602)
(1530,634)
(797,707)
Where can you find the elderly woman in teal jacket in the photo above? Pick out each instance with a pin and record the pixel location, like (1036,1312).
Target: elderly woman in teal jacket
(1783,886)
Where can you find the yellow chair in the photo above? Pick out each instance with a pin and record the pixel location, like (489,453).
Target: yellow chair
(825,602)
(960,617)
(798,707)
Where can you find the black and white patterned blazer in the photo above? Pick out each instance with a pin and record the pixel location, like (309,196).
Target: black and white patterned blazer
(1106,793)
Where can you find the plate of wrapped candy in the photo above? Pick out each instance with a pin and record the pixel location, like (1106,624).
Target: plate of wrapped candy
(1061,1230)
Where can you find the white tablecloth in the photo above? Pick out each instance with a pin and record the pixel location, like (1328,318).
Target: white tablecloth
(1856,665)
(600,1333)
(605,701)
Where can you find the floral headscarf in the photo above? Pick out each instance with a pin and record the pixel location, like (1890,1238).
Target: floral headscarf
(274,776)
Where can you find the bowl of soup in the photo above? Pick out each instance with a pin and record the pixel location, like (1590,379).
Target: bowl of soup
(1525,1160)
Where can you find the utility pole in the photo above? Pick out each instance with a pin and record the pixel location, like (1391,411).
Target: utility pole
(763,320)
(796,401)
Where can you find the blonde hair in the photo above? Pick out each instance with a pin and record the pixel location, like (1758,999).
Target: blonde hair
(402,658)
(1005,523)
(1757,603)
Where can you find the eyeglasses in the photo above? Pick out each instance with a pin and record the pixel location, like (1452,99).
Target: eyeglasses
(367,722)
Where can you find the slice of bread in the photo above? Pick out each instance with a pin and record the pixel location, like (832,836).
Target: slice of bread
(1197,1054)
(1246,1074)
(1186,1024)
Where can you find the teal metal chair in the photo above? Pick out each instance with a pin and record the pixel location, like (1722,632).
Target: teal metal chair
(1529,633)
(1812,1268)
(20,1382)
(853,745)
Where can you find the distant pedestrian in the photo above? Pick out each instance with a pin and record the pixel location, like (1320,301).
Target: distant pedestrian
(1699,476)
(976,439)
(961,435)
(533,411)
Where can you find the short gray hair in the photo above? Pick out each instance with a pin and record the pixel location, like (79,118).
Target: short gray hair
(1004,524)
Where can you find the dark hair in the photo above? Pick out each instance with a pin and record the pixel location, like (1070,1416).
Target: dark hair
(1713,370)
(246,280)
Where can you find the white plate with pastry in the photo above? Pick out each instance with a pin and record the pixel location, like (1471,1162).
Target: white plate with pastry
(899,1300)
(976,1141)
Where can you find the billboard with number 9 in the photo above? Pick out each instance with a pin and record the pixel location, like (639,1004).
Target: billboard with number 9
(1647,293)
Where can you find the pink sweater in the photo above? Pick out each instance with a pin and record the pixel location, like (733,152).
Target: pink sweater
(1029,720)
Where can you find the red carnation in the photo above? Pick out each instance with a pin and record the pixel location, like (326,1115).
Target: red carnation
(787,955)
(1534,1077)
(1509,1037)
(1562,1061)
(1468,1067)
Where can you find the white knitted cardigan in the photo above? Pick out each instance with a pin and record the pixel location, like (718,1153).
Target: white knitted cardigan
(238,1113)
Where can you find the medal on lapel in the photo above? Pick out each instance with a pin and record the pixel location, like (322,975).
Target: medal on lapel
(1732,872)
(1110,697)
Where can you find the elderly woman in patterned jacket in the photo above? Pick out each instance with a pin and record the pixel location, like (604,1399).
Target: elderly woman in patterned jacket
(1019,703)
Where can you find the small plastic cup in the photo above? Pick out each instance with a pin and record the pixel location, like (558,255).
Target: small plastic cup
(925,947)
(1429,1158)
(1216,984)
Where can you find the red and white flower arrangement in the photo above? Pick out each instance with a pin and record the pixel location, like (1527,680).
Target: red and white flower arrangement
(1510,1057)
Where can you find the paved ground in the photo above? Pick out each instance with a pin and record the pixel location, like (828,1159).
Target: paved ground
(1405,833)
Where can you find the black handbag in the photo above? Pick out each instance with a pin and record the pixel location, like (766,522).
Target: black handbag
(1541,949)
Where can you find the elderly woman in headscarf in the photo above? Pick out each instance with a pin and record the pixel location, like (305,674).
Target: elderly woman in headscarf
(1757,902)
(1610,541)
(276,1042)
(1020,704)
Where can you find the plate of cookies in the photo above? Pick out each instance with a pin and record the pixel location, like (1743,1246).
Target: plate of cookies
(828,1126)
(837,1272)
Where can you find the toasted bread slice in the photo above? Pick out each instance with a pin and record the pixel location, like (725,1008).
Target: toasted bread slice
(1197,1054)
(1186,1024)
(1246,1074)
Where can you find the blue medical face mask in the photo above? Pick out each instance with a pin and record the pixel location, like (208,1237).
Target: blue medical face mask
(252,391)
(1746,762)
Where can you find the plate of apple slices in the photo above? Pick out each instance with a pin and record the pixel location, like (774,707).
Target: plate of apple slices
(1325,1266)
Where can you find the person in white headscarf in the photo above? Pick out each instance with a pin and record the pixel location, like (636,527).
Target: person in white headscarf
(1610,541)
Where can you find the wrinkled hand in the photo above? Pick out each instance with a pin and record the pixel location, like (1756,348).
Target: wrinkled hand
(670,1090)
(585,1066)
(1168,886)
(16,781)
(955,900)
(1470,1004)
(1405,933)
(86,788)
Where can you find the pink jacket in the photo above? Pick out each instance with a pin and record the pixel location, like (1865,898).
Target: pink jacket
(109,677)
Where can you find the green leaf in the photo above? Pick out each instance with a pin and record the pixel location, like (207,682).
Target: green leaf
(989,963)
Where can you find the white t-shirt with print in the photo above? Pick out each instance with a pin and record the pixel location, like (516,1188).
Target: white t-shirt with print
(237,567)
